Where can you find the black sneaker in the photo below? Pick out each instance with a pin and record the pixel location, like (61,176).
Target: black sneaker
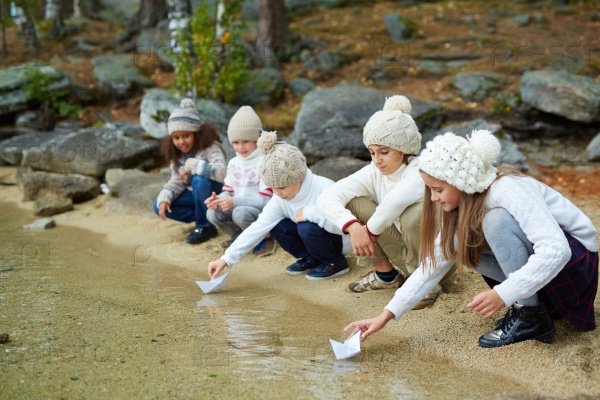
(521,323)
(201,235)
(328,271)
(302,265)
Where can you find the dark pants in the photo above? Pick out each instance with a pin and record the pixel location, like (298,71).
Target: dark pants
(307,238)
(189,206)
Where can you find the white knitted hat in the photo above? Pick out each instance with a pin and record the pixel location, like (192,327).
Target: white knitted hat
(466,164)
(244,125)
(393,127)
(185,118)
(282,164)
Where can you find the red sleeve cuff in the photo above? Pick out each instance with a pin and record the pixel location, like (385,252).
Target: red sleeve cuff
(347,224)
(371,233)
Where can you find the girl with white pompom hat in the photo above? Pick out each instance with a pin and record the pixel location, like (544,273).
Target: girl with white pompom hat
(536,250)
(379,206)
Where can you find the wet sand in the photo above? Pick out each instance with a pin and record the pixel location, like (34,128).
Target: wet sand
(122,318)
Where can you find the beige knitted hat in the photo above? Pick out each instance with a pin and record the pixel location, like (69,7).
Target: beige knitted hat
(244,125)
(283,164)
(466,164)
(393,127)
(184,118)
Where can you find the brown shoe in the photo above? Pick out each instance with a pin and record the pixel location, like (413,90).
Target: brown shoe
(269,248)
(429,298)
(225,244)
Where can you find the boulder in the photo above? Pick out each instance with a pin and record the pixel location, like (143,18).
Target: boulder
(78,188)
(11,150)
(91,152)
(134,191)
(336,168)
(12,95)
(574,97)
(265,85)
(477,85)
(399,27)
(48,206)
(119,77)
(331,121)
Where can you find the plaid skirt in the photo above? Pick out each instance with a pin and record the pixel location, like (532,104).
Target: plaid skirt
(572,292)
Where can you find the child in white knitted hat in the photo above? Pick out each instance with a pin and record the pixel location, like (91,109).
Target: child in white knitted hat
(244,194)
(379,206)
(198,165)
(291,217)
(536,250)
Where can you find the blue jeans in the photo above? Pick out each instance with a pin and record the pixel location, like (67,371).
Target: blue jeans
(189,206)
(308,239)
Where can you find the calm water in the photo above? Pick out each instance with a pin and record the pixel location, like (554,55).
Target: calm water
(85,322)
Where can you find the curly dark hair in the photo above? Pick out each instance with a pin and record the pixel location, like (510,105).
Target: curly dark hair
(205,137)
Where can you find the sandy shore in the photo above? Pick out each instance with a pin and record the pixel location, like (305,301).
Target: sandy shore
(568,367)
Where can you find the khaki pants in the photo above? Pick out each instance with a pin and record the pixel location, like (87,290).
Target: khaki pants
(401,249)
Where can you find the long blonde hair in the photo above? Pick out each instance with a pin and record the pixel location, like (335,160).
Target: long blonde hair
(465,223)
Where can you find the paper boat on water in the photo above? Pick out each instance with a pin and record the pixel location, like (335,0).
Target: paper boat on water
(349,348)
(213,284)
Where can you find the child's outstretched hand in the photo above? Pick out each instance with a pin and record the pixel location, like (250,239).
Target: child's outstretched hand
(215,268)
(368,326)
(161,210)
(487,303)
(211,202)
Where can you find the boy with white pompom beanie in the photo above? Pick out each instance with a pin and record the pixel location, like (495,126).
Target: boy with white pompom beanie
(536,250)
(379,206)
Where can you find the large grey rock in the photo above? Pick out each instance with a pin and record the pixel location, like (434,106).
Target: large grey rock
(265,85)
(48,206)
(119,77)
(593,149)
(574,97)
(301,86)
(336,168)
(331,121)
(510,153)
(11,150)
(92,151)
(12,95)
(477,85)
(78,188)
(134,191)
(158,104)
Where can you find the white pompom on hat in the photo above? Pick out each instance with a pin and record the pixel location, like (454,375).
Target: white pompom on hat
(393,127)
(282,164)
(466,164)
(184,118)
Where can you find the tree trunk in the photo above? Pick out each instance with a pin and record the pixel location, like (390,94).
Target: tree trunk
(2,22)
(32,44)
(151,12)
(272,32)
(179,14)
(54,13)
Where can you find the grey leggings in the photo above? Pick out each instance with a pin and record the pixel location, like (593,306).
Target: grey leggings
(234,221)
(510,249)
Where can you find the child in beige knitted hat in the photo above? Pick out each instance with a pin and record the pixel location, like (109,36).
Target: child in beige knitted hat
(379,206)
(198,168)
(291,217)
(244,194)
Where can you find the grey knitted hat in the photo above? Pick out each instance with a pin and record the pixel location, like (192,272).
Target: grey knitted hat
(283,164)
(185,118)
(393,127)
(244,125)
(466,164)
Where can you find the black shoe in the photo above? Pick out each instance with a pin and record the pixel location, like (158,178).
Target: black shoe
(201,235)
(328,271)
(521,323)
(302,265)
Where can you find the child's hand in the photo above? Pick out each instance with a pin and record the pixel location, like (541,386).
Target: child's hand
(211,202)
(182,174)
(487,303)
(215,268)
(161,210)
(368,326)
(300,215)
(225,203)
(362,244)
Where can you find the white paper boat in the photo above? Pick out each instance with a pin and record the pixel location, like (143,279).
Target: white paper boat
(213,284)
(349,348)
